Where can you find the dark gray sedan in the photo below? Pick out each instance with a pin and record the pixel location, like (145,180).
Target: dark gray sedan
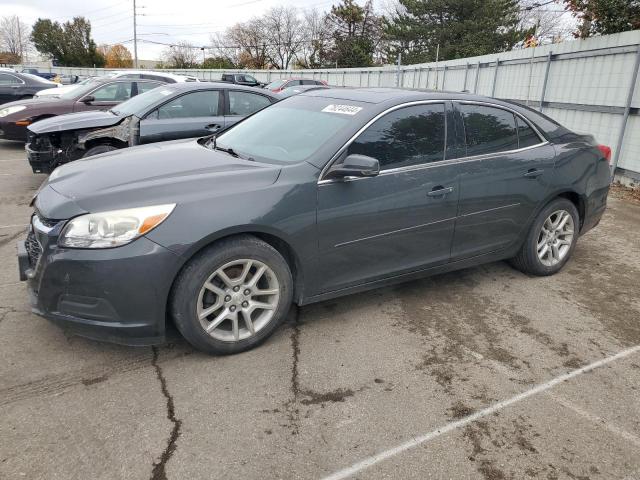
(179,110)
(20,86)
(320,195)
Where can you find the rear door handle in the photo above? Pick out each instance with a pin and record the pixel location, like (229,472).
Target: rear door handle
(214,127)
(533,173)
(439,191)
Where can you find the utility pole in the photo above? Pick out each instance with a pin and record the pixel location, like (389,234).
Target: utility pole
(135,36)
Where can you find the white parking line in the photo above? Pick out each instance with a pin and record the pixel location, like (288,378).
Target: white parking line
(419,440)
(630,437)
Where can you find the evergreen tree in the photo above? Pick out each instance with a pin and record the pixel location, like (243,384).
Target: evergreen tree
(69,44)
(605,16)
(462,28)
(355,31)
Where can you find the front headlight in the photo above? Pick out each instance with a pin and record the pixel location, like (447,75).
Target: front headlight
(9,110)
(114,228)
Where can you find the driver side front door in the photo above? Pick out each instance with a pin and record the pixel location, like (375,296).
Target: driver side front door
(399,221)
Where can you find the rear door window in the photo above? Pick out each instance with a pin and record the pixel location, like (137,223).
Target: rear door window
(246,103)
(195,104)
(405,137)
(526,136)
(488,129)
(6,79)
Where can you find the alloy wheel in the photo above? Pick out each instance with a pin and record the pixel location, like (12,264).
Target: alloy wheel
(238,300)
(555,238)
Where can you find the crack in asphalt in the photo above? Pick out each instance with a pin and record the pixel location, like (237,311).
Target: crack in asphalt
(159,472)
(4,311)
(293,412)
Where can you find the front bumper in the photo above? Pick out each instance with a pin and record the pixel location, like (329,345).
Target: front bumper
(116,295)
(41,158)
(11,131)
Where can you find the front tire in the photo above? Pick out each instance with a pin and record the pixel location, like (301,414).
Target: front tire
(551,239)
(98,149)
(232,296)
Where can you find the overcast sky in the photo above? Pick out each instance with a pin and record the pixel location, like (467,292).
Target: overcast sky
(167,21)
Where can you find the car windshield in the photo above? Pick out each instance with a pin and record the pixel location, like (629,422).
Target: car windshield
(140,102)
(289,132)
(275,84)
(79,91)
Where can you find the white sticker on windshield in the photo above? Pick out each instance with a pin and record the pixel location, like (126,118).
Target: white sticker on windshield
(344,109)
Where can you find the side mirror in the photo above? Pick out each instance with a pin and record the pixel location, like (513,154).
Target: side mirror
(354,165)
(88,99)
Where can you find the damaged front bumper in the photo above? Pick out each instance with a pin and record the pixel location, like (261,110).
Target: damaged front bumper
(41,154)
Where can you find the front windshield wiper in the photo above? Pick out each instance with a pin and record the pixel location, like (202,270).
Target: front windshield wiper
(229,150)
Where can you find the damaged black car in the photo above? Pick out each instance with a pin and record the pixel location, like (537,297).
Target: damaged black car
(169,112)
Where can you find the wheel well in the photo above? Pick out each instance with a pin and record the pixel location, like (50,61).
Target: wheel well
(578,201)
(280,245)
(114,142)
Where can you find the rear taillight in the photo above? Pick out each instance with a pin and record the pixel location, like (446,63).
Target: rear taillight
(606,152)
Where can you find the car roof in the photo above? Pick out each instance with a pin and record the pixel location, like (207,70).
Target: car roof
(188,86)
(378,95)
(152,72)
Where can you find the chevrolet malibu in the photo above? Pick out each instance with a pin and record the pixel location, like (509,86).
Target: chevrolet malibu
(323,194)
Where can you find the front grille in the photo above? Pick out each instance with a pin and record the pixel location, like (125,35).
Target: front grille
(34,250)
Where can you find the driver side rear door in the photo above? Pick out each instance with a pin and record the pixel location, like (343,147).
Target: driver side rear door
(193,114)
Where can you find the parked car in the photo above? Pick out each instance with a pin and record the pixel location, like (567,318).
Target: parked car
(101,94)
(320,195)
(290,91)
(284,83)
(241,79)
(137,74)
(15,86)
(52,76)
(180,110)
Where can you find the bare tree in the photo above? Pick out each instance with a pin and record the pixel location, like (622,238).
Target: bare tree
(552,24)
(182,55)
(317,37)
(14,37)
(284,36)
(248,39)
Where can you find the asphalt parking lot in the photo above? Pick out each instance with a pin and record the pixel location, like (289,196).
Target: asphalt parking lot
(483,373)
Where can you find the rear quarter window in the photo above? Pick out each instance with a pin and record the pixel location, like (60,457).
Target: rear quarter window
(488,129)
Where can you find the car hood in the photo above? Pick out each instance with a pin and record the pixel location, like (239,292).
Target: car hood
(168,172)
(72,121)
(55,91)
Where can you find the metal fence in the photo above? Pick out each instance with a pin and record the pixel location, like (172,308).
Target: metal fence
(587,85)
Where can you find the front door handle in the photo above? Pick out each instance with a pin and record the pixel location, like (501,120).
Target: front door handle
(439,191)
(533,173)
(213,127)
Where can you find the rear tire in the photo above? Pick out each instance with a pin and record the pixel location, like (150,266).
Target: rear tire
(98,149)
(550,241)
(232,296)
